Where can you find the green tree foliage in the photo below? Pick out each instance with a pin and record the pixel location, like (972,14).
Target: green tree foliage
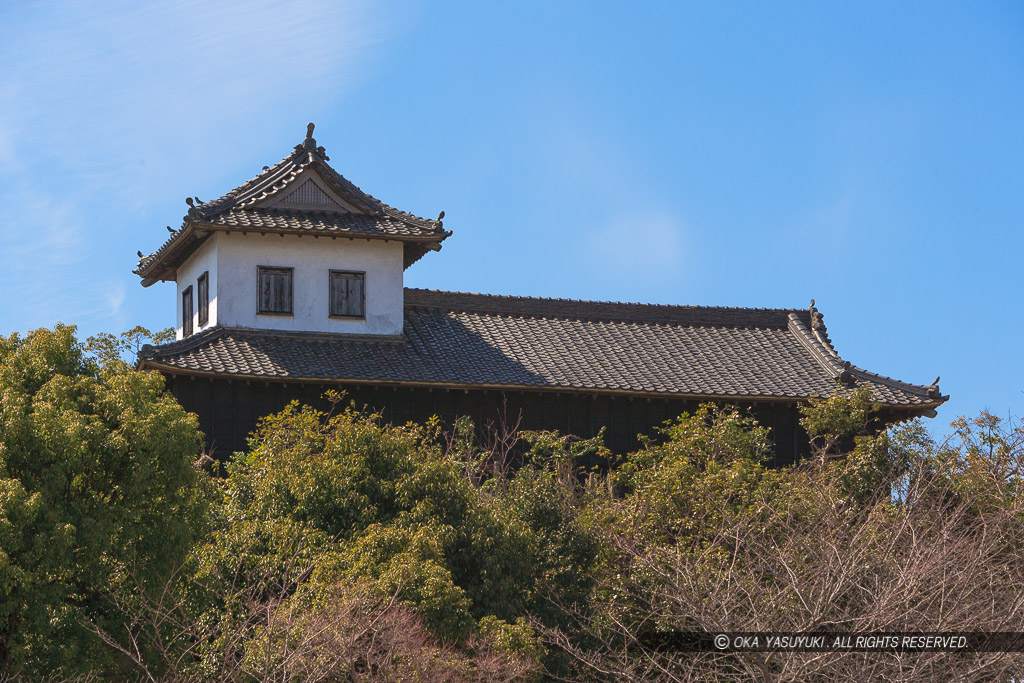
(323,502)
(564,542)
(849,445)
(873,533)
(708,470)
(341,548)
(97,490)
(982,463)
(397,510)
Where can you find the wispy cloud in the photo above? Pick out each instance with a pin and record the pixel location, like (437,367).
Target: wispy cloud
(831,222)
(633,228)
(46,258)
(132,74)
(103,104)
(47,233)
(648,246)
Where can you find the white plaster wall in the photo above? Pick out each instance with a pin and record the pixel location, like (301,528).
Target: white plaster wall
(238,257)
(203,259)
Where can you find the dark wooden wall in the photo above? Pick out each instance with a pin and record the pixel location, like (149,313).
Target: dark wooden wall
(228,411)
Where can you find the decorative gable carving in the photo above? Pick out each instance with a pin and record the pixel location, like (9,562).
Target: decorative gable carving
(309,192)
(305,196)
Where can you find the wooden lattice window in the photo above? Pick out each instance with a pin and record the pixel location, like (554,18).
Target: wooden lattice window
(348,294)
(186,312)
(275,290)
(203,294)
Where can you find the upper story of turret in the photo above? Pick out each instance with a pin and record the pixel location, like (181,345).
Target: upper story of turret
(297,248)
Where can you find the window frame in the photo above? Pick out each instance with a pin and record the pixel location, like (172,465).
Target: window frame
(203,298)
(187,312)
(281,270)
(331,274)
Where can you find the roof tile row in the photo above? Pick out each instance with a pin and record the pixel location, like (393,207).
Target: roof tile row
(479,340)
(240,209)
(298,220)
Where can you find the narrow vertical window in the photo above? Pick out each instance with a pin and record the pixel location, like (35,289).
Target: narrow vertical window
(347,294)
(186,312)
(203,294)
(275,290)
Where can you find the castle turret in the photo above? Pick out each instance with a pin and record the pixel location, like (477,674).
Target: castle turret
(296,248)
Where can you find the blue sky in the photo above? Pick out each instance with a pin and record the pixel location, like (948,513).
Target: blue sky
(867,155)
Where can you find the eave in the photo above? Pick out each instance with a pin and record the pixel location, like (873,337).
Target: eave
(491,343)
(256,203)
(193,233)
(907,411)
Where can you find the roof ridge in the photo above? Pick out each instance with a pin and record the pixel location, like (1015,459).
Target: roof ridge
(828,359)
(845,372)
(152,351)
(156,351)
(546,307)
(422,290)
(927,390)
(275,179)
(226,200)
(818,329)
(284,172)
(383,207)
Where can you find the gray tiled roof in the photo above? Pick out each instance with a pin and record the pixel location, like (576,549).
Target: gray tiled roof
(312,221)
(238,211)
(473,340)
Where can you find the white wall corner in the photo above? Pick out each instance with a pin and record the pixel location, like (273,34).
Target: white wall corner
(240,256)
